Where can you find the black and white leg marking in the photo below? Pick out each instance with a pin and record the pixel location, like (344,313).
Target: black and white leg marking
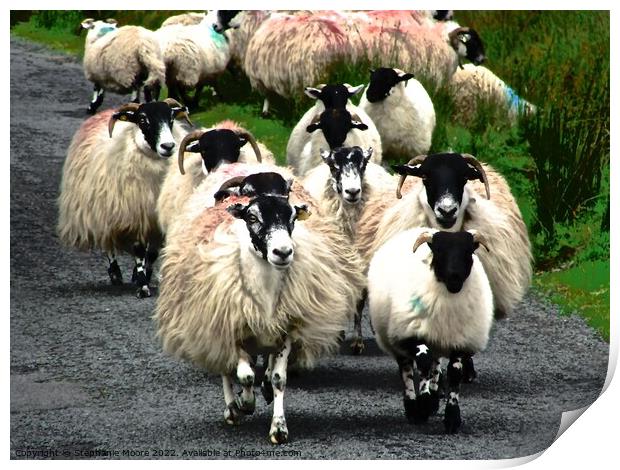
(469,372)
(419,352)
(405,366)
(265,108)
(452,417)
(152,253)
(135,95)
(232,413)
(434,385)
(114,271)
(246,400)
(357,346)
(96,100)
(278,434)
(266,387)
(139,274)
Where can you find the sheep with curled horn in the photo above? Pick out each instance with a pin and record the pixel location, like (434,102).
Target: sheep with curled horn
(430,302)
(249,276)
(122,60)
(456,192)
(111,179)
(202,152)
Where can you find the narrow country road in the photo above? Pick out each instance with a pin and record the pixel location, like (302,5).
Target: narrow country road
(88,378)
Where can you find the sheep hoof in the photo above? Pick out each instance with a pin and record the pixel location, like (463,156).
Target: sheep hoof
(91,109)
(410,406)
(452,418)
(423,408)
(246,407)
(143,292)
(267,390)
(357,346)
(265,114)
(232,414)
(469,372)
(434,402)
(279,432)
(342,336)
(116,277)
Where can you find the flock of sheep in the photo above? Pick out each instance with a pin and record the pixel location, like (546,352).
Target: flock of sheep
(271,261)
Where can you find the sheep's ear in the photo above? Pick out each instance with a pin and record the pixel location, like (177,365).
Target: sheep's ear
(242,141)
(407,170)
(127,116)
(406,76)
(313,127)
(474,174)
(289,185)
(88,23)
(358,125)
(314,93)
(326,155)
(367,154)
(236,210)
(302,212)
(193,147)
(464,37)
(354,90)
(221,195)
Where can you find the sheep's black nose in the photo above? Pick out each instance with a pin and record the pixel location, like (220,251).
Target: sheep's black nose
(448,214)
(352,192)
(168,146)
(284,253)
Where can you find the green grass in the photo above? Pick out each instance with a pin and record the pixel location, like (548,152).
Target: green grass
(59,39)
(583,289)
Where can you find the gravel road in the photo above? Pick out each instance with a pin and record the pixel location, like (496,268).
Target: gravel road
(88,378)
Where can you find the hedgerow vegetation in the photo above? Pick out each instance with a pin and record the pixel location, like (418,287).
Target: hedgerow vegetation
(556,161)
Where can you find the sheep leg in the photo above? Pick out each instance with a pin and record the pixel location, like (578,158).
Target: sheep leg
(135,95)
(278,434)
(266,387)
(405,366)
(452,416)
(97,99)
(152,253)
(151,93)
(357,346)
(139,273)
(434,385)
(246,401)
(469,372)
(427,401)
(265,112)
(114,271)
(196,98)
(232,413)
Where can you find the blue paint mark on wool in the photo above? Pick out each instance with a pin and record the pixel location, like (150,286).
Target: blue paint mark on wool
(106,30)
(514,101)
(217,38)
(416,304)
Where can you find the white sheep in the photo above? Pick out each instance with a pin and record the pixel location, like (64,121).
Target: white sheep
(458,193)
(194,55)
(185,19)
(243,277)
(341,188)
(429,297)
(473,85)
(201,152)
(122,60)
(401,109)
(336,128)
(111,179)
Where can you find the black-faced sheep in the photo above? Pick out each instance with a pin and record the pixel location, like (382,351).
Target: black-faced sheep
(245,277)
(111,179)
(429,302)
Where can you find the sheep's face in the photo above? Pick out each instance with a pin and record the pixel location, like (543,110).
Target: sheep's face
(267,183)
(333,96)
(347,166)
(270,221)
(467,43)
(217,146)
(336,124)
(155,120)
(221,20)
(452,258)
(382,83)
(444,176)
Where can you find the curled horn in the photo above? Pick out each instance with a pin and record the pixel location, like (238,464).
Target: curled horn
(478,166)
(414,161)
(183,114)
(188,139)
(425,237)
(111,21)
(478,238)
(252,140)
(231,183)
(126,107)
